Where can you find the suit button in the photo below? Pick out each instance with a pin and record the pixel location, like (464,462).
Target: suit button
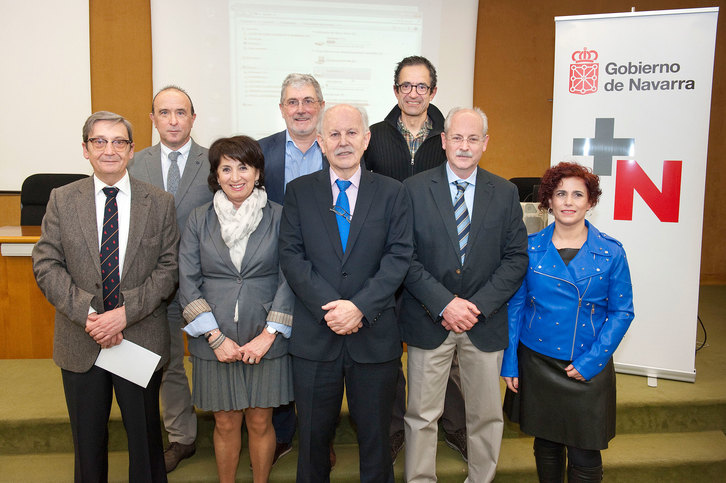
(458,271)
(345,274)
(239,280)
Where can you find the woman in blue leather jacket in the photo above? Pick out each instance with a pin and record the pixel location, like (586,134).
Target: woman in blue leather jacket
(565,322)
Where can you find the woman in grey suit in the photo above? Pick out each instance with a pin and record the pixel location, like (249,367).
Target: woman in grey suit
(238,307)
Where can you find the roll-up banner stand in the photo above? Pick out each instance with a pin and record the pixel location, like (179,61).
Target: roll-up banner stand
(632,97)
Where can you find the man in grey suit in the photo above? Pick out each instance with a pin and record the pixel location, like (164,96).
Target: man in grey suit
(345,246)
(109,295)
(290,154)
(470,258)
(180,166)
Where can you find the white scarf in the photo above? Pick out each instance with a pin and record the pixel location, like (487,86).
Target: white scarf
(238,224)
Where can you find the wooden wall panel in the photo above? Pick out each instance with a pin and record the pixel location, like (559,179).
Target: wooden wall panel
(9,209)
(513,77)
(121,79)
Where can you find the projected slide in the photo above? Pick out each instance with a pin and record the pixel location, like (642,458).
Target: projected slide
(352,51)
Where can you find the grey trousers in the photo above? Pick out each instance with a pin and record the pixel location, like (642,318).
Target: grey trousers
(179,417)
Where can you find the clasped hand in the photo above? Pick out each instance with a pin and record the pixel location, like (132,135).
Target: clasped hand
(250,353)
(106,328)
(343,317)
(460,315)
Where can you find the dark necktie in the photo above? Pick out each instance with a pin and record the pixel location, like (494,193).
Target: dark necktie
(462,218)
(173,175)
(109,251)
(342,214)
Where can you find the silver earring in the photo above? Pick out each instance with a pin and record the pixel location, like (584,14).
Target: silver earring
(549,210)
(257,182)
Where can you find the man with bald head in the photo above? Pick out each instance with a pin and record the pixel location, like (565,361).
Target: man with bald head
(345,247)
(470,258)
(179,166)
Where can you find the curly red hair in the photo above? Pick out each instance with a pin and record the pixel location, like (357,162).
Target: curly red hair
(552,177)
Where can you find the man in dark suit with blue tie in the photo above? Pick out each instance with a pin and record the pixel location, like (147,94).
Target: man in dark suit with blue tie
(345,247)
(179,166)
(470,258)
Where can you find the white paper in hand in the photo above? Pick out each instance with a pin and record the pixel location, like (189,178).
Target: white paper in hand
(130,361)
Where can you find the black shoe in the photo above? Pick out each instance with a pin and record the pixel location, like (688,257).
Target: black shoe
(457,441)
(176,452)
(398,439)
(281,450)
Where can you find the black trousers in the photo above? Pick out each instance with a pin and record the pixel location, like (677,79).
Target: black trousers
(370,389)
(88,397)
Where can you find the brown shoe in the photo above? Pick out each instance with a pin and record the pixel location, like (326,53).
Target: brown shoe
(176,452)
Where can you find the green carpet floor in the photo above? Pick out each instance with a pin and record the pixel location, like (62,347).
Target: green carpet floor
(670,433)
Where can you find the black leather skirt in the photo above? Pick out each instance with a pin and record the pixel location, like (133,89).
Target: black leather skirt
(552,406)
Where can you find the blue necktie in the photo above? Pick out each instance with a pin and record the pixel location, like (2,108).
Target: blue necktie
(109,251)
(343,206)
(462,218)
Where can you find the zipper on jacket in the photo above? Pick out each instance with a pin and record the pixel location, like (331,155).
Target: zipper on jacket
(534,312)
(579,305)
(592,314)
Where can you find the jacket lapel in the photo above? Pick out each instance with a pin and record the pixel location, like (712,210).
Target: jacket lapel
(152,164)
(139,215)
(215,234)
(324,202)
(191,168)
(253,244)
(483,192)
(366,195)
(442,196)
(85,207)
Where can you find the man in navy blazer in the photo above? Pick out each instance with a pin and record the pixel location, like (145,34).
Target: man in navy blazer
(172,113)
(345,330)
(295,151)
(290,154)
(470,258)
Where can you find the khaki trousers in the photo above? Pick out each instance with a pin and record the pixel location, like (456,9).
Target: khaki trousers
(428,371)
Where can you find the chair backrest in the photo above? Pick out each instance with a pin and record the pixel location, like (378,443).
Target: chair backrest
(35,192)
(528,188)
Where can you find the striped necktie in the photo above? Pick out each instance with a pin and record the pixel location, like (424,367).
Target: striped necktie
(173,175)
(461,214)
(109,251)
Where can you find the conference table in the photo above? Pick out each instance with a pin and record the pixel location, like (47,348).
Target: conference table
(26,317)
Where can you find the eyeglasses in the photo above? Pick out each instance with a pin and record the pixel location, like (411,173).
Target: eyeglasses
(307,102)
(339,210)
(406,87)
(118,144)
(472,140)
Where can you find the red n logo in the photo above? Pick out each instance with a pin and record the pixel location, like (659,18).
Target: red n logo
(664,203)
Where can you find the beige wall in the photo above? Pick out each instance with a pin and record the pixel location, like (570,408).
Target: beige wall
(513,78)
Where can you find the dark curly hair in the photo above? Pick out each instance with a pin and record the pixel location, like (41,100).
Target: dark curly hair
(243,149)
(552,177)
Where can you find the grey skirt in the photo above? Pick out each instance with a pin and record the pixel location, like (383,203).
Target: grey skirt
(220,386)
(552,406)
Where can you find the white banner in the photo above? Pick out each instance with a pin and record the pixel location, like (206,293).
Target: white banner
(632,97)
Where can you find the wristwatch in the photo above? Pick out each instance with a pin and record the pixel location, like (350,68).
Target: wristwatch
(271,330)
